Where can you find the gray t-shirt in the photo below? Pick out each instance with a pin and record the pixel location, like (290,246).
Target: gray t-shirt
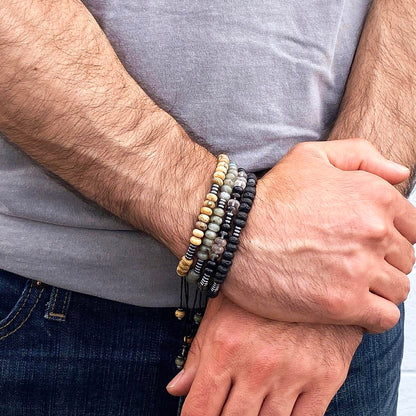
(247,78)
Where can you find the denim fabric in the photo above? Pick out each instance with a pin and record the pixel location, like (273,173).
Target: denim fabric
(67,354)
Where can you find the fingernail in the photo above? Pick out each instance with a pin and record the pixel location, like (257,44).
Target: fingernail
(399,167)
(173,382)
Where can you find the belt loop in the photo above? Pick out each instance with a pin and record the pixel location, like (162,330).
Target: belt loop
(57,306)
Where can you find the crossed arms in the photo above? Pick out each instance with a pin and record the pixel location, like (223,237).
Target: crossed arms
(67,101)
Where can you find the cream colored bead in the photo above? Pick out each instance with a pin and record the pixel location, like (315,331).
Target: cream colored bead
(181,272)
(222,169)
(206,211)
(225,164)
(195,240)
(203,218)
(218,181)
(186,261)
(212,197)
(209,204)
(198,233)
(223,158)
(220,175)
(201,225)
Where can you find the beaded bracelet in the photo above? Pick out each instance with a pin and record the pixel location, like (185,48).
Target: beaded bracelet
(248,191)
(214,240)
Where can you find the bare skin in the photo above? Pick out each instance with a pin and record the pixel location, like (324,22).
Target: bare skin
(67,101)
(380,109)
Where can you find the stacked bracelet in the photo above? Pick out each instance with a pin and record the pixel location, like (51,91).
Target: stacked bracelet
(213,243)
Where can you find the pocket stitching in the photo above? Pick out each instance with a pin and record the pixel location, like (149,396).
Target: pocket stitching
(19,310)
(27,317)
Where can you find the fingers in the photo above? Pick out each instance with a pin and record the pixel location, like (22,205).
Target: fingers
(359,154)
(400,253)
(240,401)
(278,405)
(381,315)
(208,394)
(391,284)
(405,218)
(311,404)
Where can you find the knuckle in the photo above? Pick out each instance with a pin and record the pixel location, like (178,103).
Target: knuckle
(337,305)
(303,147)
(388,320)
(377,229)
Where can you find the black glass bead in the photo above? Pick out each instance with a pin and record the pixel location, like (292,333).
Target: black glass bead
(251,189)
(233,240)
(220,277)
(222,269)
(226,263)
(228,255)
(242,216)
(245,200)
(211,264)
(241,170)
(213,292)
(225,227)
(239,223)
(244,207)
(238,189)
(252,175)
(223,234)
(231,247)
(236,196)
(251,182)
(249,195)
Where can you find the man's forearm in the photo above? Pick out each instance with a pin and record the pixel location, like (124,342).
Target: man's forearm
(67,101)
(379,103)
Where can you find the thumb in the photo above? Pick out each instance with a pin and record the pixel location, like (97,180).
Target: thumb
(359,154)
(181,383)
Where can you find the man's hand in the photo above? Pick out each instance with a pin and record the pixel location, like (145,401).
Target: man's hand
(241,364)
(328,240)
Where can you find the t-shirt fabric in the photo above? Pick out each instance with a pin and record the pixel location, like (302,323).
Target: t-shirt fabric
(250,79)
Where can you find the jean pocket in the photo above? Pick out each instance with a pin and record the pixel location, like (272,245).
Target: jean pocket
(18,299)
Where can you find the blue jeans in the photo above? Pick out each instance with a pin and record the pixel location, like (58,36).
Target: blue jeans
(68,354)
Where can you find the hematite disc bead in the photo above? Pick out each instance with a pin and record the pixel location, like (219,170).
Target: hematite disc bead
(238,189)
(226,227)
(213,290)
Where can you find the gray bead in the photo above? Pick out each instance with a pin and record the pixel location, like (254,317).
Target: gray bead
(192,276)
(216,220)
(242,174)
(213,227)
(219,212)
(210,234)
(229,182)
(203,248)
(225,195)
(230,175)
(179,361)
(197,318)
(202,256)
(214,256)
(220,242)
(233,203)
(207,242)
(240,182)
(226,188)
(217,249)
